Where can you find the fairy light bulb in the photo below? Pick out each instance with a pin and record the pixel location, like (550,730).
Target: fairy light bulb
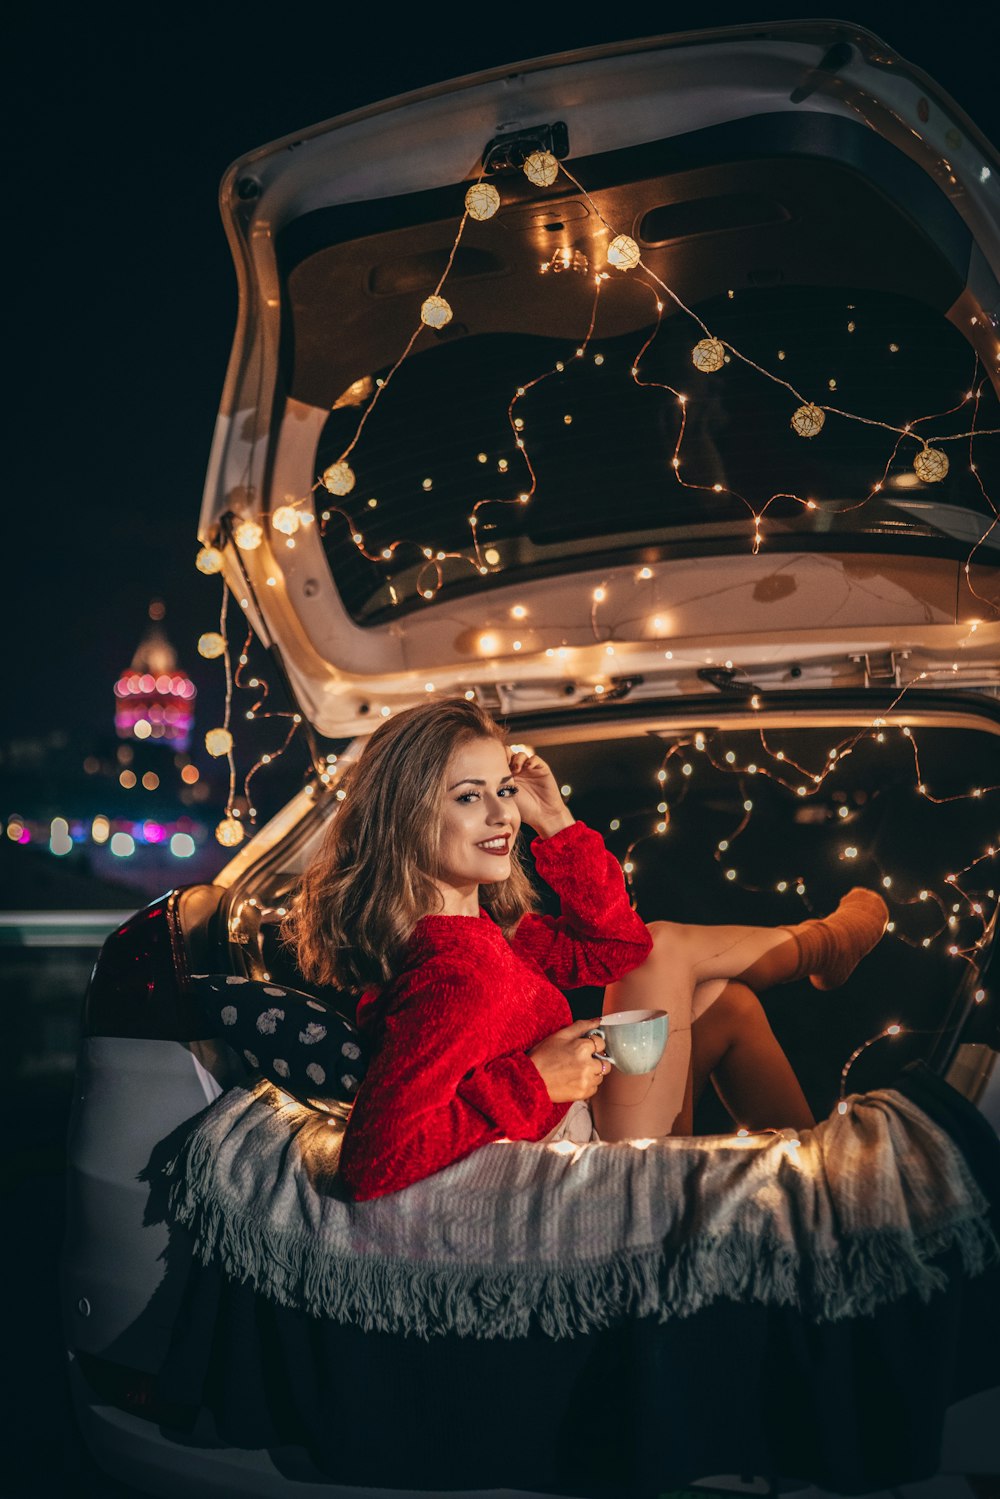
(230,832)
(435,312)
(708,355)
(286,519)
(930,465)
(482,201)
(807,420)
(218,742)
(541,168)
(623,252)
(209,560)
(211,644)
(248,535)
(339,478)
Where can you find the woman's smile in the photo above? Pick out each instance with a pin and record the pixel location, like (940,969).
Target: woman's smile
(479,822)
(496,845)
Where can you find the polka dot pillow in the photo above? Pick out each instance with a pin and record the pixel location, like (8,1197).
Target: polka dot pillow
(303,1046)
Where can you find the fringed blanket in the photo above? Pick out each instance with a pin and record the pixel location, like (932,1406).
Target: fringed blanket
(835,1221)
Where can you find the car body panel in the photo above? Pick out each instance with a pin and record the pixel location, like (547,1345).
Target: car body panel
(130,1094)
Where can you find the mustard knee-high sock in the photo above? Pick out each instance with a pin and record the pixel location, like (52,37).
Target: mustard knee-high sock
(830,949)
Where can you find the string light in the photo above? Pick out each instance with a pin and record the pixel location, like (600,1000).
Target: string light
(623,252)
(708,355)
(211,645)
(890,1031)
(541,168)
(807,420)
(339,478)
(248,535)
(782,768)
(482,201)
(286,519)
(930,465)
(218,742)
(209,560)
(230,832)
(435,312)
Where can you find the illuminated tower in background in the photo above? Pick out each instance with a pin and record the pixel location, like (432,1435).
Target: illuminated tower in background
(154,700)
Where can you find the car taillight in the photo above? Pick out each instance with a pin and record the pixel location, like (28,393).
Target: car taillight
(132,1390)
(139,987)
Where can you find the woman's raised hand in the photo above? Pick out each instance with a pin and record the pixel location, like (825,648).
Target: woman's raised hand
(539,799)
(570,1062)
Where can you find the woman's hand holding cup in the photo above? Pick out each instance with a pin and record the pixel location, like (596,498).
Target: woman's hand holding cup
(571,1062)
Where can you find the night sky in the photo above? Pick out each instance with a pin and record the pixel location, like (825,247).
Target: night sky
(123,296)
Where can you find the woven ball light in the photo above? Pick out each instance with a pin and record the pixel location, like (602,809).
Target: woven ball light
(339,478)
(808,420)
(541,168)
(482,201)
(209,560)
(930,465)
(708,355)
(248,535)
(218,742)
(229,832)
(435,312)
(623,252)
(211,644)
(286,519)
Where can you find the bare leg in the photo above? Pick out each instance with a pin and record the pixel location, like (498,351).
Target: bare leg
(686,954)
(658,1103)
(685,974)
(726,1038)
(733,1044)
(687,971)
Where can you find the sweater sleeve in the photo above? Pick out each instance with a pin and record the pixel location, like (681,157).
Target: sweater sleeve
(597,938)
(433,1093)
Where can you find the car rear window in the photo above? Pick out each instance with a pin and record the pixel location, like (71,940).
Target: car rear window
(600,440)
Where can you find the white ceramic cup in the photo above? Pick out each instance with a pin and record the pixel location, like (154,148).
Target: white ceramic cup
(633,1039)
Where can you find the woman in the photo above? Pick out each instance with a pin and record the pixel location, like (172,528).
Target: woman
(419,899)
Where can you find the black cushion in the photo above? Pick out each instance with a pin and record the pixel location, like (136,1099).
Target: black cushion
(301,1044)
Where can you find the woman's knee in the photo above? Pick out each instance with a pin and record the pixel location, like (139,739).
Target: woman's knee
(736,1008)
(671,941)
(739,999)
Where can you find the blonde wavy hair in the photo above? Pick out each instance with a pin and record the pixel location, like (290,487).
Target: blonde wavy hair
(372,880)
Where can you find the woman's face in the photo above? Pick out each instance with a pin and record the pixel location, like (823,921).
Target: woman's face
(479,822)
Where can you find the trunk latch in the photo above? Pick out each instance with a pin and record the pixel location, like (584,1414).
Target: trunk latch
(508,153)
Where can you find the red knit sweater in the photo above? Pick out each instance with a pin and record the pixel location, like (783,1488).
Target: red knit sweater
(450,1034)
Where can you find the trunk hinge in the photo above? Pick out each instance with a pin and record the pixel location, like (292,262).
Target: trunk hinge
(882,668)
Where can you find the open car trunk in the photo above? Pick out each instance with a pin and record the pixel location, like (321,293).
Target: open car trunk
(766,816)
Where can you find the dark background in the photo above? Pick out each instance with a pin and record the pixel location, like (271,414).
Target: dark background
(121,306)
(121,290)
